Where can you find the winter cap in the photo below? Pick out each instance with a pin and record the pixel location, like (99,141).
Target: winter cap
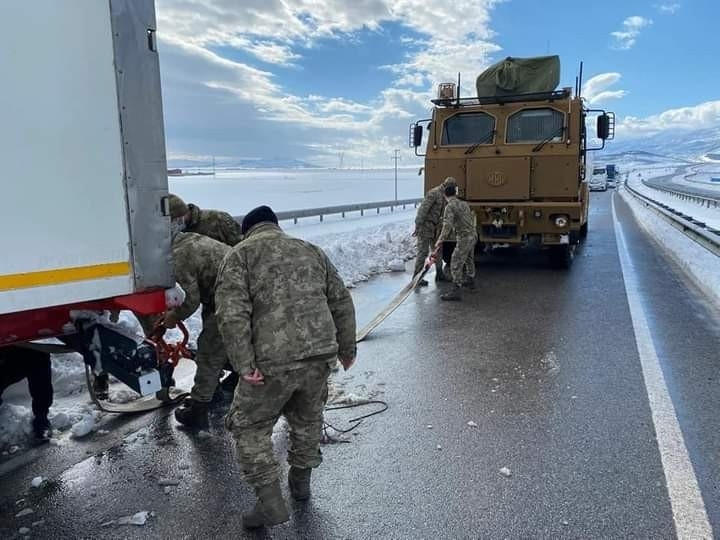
(450,180)
(178,208)
(258,215)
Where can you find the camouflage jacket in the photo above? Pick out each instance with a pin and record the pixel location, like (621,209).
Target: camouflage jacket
(213,223)
(279,300)
(458,217)
(197,261)
(429,214)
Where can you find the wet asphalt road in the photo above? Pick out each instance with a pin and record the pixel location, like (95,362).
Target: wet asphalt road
(667,182)
(543,361)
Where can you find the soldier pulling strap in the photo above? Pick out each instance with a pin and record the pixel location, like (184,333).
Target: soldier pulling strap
(398,299)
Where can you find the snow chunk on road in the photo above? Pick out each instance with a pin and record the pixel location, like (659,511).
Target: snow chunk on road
(397,265)
(139,518)
(24,530)
(84,426)
(37,481)
(472,424)
(506,472)
(23,513)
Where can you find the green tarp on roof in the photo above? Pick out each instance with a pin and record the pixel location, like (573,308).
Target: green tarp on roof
(520,76)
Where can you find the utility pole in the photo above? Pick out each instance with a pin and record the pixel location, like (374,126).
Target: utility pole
(395,158)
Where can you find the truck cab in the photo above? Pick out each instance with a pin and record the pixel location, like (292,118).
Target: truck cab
(519,157)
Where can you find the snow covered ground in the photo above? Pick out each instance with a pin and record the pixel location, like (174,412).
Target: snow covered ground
(702,266)
(710,216)
(295,189)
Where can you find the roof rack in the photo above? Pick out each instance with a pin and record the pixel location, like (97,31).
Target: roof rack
(500,100)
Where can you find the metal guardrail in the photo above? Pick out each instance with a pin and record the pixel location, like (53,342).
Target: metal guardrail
(696,230)
(342,210)
(710,202)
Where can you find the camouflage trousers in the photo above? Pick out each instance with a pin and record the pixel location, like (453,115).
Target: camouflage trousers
(462,265)
(211,358)
(425,246)
(300,396)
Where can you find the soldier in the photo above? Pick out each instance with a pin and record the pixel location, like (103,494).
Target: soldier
(427,224)
(213,223)
(18,363)
(458,217)
(197,261)
(285,316)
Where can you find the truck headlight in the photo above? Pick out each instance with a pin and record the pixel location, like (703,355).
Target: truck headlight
(561,221)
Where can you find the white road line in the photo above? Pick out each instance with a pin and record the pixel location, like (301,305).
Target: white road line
(689,514)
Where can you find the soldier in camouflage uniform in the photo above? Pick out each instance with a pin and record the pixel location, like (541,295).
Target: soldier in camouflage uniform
(285,316)
(458,217)
(427,226)
(197,261)
(213,223)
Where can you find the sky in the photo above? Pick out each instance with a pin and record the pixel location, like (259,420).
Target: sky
(338,82)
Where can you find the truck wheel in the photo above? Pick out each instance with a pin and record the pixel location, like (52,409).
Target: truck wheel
(561,257)
(583,231)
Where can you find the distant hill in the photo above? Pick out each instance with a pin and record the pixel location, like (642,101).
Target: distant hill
(694,146)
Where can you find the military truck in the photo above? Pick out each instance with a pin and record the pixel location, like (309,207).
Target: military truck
(518,150)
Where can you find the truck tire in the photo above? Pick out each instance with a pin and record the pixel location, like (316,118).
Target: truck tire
(561,257)
(583,231)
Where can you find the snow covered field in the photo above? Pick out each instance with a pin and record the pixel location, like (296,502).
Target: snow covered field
(295,189)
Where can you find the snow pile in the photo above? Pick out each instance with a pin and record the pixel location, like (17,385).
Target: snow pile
(360,254)
(68,374)
(14,425)
(700,264)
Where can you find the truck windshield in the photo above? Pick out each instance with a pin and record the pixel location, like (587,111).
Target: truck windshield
(468,128)
(535,125)
(599,170)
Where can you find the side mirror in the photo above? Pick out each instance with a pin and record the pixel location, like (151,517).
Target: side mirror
(416,135)
(606,126)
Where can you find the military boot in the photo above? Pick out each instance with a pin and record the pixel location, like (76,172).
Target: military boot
(469,283)
(270,508)
(41,428)
(299,482)
(193,414)
(453,295)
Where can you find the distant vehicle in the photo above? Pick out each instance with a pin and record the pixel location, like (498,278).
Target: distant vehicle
(598,183)
(519,153)
(612,171)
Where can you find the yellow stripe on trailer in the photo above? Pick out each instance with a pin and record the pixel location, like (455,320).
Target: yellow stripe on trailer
(59,276)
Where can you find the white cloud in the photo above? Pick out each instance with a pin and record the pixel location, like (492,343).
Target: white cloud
(596,91)
(631,27)
(217,103)
(668,8)
(704,115)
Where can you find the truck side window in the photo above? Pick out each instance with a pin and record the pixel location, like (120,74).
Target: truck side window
(468,128)
(535,125)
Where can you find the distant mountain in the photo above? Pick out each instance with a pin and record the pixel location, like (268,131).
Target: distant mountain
(694,146)
(251,163)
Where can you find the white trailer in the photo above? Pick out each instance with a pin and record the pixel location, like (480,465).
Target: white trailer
(84,218)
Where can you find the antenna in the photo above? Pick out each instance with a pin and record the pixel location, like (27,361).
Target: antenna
(458,93)
(580,79)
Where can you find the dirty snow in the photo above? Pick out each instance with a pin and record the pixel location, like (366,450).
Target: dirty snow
(139,518)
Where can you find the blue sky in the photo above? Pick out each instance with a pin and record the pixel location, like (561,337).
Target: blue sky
(311,80)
